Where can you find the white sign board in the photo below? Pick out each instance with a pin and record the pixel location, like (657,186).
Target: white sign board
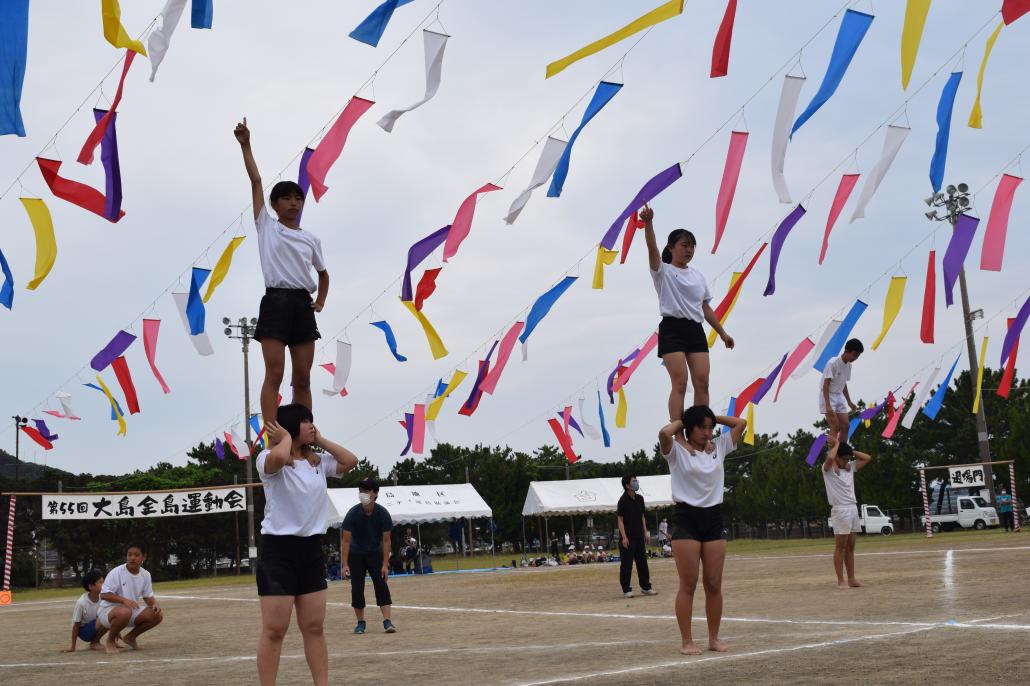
(962,477)
(107,506)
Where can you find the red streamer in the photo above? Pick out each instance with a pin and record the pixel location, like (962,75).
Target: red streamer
(72,191)
(97,134)
(746,395)
(929,299)
(426,287)
(632,225)
(720,311)
(121,372)
(1010,368)
(37,437)
(564,440)
(721,48)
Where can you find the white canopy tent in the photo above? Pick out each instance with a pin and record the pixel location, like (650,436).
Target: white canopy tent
(592,496)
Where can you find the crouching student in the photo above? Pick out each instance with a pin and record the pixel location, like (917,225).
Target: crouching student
(120,609)
(84,616)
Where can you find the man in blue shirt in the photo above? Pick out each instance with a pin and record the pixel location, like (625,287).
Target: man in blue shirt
(1005,508)
(365,547)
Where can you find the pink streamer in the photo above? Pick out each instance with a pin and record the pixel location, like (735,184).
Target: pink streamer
(796,358)
(507,344)
(97,134)
(730,175)
(998,223)
(150,329)
(330,147)
(566,417)
(893,423)
(331,368)
(623,378)
(418,430)
(847,184)
(462,224)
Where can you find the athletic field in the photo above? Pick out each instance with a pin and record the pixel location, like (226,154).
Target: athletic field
(952,610)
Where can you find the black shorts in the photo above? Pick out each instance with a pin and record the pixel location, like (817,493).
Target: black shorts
(681,336)
(290,565)
(286,315)
(696,523)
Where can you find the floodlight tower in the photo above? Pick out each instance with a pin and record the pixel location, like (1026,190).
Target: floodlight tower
(244,331)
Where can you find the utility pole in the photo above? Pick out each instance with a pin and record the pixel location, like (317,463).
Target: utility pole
(19,422)
(244,331)
(955,205)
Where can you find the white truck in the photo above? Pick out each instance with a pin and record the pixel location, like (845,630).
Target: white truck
(951,510)
(873,520)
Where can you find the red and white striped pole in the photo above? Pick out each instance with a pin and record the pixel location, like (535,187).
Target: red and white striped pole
(1015,505)
(926,503)
(5,594)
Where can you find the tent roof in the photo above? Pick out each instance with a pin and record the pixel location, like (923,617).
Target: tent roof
(592,495)
(415,504)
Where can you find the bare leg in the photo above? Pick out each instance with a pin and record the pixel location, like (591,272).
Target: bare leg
(831,423)
(700,367)
(839,553)
(842,426)
(275,620)
(95,644)
(274,353)
(386,611)
(676,365)
(302,356)
(849,562)
(311,619)
(119,618)
(145,621)
(713,556)
(688,559)
(359,614)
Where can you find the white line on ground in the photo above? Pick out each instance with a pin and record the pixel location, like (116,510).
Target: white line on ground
(890,552)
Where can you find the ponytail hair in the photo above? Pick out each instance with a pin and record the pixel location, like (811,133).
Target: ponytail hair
(674,237)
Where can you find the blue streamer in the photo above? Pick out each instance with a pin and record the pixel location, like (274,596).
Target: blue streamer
(114,415)
(370,31)
(543,305)
(391,340)
(731,410)
(441,386)
(934,406)
(604,429)
(14,42)
(834,345)
(195,313)
(852,425)
(849,36)
(201,14)
(7,290)
(255,426)
(219,449)
(605,91)
(940,151)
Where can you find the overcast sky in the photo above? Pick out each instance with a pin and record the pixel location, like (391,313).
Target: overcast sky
(290,67)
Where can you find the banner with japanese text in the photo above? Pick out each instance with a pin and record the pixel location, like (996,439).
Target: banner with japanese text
(152,504)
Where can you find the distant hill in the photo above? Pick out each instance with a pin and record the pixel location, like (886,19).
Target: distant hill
(27,471)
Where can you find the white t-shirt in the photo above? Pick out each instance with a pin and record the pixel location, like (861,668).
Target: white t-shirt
(839,373)
(681,292)
(840,486)
(287,255)
(85,609)
(121,581)
(699,479)
(296,502)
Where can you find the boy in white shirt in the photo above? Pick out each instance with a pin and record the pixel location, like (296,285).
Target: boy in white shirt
(119,600)
(834,399)
(839,479)
(84,616)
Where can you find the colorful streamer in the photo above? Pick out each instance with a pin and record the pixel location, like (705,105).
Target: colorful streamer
(749,432)
(726,304)
(100,125)
(230,440)
(426,286)
(151,327)
(604,429)
(195,310)
(603,94)
(782,231)
(745,396)
(476,394)
(1015,329)
(219,446)
(121,372)
(419,251)
(564,440)
(847,184)
(489,384)
(620,410)
(793,362)
(1010,367)
(37,437)
(911,35)
(1012,10)
(114,32)
(663,12)
(114,348)
(976,116)
(112,166)
(462,224)
(721,47)
(14,43)
(542,306)
(589,429)
(924,390)
(817,351)
(734,278)
(929,299)
(331,368)
(817,447)
(781,132)
(7,289)
(72,191)
(944,109)
(892,424)
(161,38)
(769,381)
(331,145)
(418,429)
(201,14)
(239,445)
(728,187)
(44,430)
(553,150)
(119,416)
(623,378)
(433,45)
(633,224)
(46,243)
(980,375)
(222,267)
(955,255)
(434,407)
(840,336)
(340,370)
(116,409)
(66,407)
(892,141)
(655,185)
(435,344)
(891,306)
(201,342)
(391,340)
(371,29)
(605,257)
(409,429)
(573,423)
(993,249)
(934,406)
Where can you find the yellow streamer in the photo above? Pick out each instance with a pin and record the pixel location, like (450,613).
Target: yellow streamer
(114,32)
(434,407)
(222,267)
(911,34)
(895,292)
(46,244)
(713,333)
(976,117)
(604,257)
(620,411)
(435,344)
(114,406)
(656,16)
(749,432)
(980,376)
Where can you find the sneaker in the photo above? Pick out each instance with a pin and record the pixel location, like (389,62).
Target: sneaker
(360,628)
(388,627)
(650,591)
(627,594)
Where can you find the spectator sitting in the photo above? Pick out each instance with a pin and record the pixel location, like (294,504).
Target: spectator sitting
(666,550)
(588,555)
(573,558)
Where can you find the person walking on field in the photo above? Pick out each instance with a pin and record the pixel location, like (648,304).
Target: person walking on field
(365,546)
(633,538)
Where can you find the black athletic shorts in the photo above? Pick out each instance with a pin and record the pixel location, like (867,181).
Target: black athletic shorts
(681,336)
(286,315)
(290,565)
(696,523)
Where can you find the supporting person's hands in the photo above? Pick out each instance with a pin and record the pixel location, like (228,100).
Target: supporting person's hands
(273,434)
(242,133)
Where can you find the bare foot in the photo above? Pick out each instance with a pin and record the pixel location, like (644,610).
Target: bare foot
(689,648)
(96,646)
(842,585)
(855,583)
(131,642)
(717,645)
(111,649)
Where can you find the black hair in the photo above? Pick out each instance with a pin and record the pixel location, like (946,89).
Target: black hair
(368,485)
(845,450)
(290,417)
(694,417)
(674,238)
(626,479)
(137,546)
(284,189)
(91,577)
(854,346)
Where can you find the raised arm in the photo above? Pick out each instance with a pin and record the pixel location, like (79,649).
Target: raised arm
(831,455)
(279,456)
(668,434)
(345,459)
(861,460)
(736,426)
(654,255)
(242,134)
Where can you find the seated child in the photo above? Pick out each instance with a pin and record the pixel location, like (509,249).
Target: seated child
(84,616)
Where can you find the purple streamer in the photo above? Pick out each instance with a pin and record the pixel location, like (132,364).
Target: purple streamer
(777,244)
(769,381)
(817,447)
(44,430)
(872,411)
(611,377)
(302,177)
(409,420)
(652,188)
(219,449)
(958,248)
(484,367)
(418,252)
(1013,333)
(118,345)
(572,423)
(112,168)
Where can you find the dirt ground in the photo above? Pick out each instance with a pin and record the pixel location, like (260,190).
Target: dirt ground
(947,612)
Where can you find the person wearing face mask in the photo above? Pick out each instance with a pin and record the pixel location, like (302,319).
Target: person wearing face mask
(365,547)
(696,466)
(633,538)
